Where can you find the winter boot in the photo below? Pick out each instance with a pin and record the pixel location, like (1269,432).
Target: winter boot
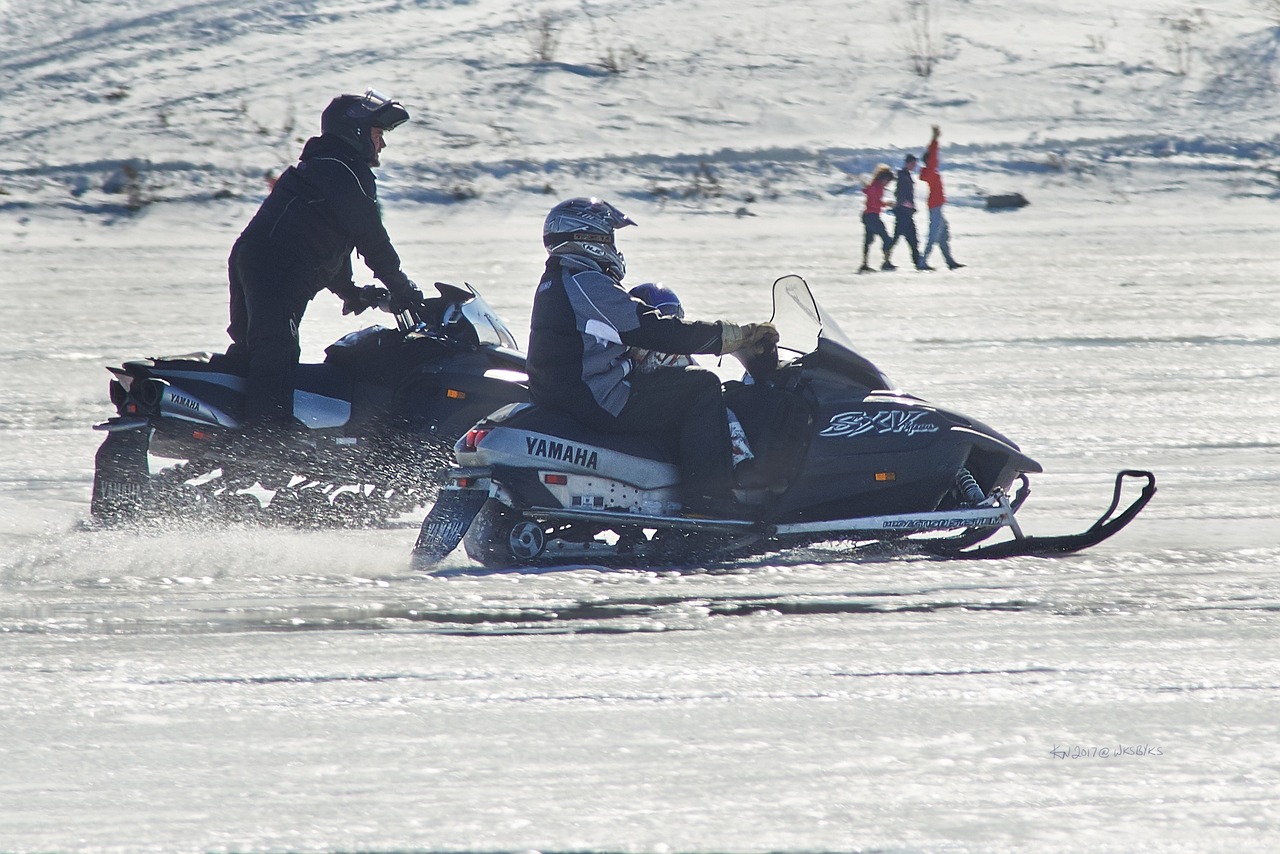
(865,268)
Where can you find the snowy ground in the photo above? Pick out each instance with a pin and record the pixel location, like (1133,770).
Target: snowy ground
(267,690)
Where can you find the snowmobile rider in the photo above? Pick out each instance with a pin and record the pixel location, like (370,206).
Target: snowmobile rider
(582,328)
(299,243)
(664,301)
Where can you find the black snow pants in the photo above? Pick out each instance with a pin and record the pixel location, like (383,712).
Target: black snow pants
(906,229)
(266,310)
(687,405)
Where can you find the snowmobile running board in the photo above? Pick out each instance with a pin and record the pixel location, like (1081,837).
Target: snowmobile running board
(905,523)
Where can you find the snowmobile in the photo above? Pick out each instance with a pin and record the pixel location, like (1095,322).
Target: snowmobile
(377,420)
(839,456)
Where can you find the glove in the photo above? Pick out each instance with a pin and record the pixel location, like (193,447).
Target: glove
(752,338)
(405,298)
(370,296)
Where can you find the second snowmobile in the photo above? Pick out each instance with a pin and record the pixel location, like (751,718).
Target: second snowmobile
(839,456)
(377,419)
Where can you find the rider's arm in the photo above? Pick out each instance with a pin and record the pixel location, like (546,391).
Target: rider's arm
(608,312)
(353,199)
(343,283)
(671,334)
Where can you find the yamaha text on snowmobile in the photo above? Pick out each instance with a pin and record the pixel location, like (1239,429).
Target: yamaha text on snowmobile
(377,420)
(837,457)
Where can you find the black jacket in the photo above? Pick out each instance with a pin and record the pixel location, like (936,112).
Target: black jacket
(904,193)
(583,326)
(317,213)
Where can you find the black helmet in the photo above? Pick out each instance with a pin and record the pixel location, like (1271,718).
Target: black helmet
(349,117)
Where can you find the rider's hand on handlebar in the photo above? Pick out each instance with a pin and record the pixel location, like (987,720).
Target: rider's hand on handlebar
(751,338)
(408,297)
(370,296)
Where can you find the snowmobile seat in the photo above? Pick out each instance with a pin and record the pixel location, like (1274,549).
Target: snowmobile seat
(543,419)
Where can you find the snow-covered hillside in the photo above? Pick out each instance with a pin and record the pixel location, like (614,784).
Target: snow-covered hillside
(723,104)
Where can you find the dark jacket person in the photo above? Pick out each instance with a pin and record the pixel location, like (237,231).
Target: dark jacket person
(583,326)
(300,242)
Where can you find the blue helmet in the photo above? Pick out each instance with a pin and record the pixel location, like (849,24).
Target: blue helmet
(349,118)
(660,298)
(585,226)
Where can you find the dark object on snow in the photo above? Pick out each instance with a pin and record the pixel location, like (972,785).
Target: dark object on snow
(1007,201)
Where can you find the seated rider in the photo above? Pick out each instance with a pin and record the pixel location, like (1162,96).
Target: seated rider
(583,326)
(664,301)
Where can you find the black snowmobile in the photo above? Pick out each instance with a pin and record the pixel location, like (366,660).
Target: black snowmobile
(377,422)
(838,457)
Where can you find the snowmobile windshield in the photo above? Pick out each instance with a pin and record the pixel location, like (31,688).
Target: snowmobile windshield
(804,328)
(800,320)
(488,325)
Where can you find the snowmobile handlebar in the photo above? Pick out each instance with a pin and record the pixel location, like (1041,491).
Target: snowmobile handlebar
(435,316)
(760,361)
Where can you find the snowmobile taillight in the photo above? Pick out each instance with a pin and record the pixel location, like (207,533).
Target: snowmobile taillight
(199,435)
(886,476)
(473,438)
(464,482)
(131,408)
(455,394)
(556,479)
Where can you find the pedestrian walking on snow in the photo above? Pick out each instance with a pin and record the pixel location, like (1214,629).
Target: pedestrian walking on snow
(904,211)
(939,231)
(872,224)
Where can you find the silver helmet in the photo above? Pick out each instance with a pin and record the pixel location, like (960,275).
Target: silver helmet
(585,226)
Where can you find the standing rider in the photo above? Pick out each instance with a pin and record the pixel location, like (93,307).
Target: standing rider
(584,323)
(300,243)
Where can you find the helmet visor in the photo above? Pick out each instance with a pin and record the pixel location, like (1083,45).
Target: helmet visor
(383,112)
